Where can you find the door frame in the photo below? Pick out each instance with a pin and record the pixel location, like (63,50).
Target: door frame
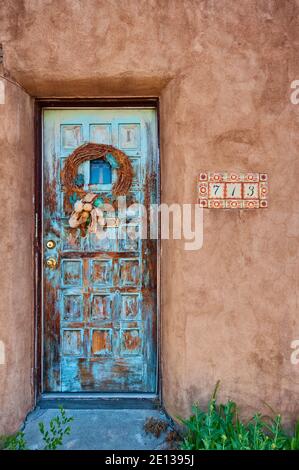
(98,400)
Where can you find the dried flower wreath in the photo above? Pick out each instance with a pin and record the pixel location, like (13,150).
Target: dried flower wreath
(86,213)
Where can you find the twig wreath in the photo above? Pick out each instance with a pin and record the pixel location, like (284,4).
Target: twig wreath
(86,205)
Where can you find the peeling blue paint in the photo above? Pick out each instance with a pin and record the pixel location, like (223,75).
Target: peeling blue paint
(100,314)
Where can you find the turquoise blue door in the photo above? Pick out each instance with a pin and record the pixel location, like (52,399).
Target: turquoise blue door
(99,295)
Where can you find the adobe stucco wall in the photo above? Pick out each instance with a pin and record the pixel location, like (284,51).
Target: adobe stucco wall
(223,72)
(16,242)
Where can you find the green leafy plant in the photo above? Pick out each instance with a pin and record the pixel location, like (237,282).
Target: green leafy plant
(59,427)
(294,442)
(220,428)
(15,442)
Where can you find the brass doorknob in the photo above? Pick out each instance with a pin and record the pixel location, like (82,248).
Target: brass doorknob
(51,263)
(51,244)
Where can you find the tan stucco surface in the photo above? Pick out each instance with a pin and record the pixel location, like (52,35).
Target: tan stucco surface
(223,72)
(16,248)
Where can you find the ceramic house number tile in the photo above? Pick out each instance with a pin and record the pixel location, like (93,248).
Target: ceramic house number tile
(231,190)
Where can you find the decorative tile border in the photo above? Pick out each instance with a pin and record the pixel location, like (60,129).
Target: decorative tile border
(232,190)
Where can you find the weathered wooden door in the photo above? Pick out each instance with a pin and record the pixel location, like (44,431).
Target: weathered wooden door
(99,295)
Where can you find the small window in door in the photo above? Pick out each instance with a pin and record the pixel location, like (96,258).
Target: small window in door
(100,172)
